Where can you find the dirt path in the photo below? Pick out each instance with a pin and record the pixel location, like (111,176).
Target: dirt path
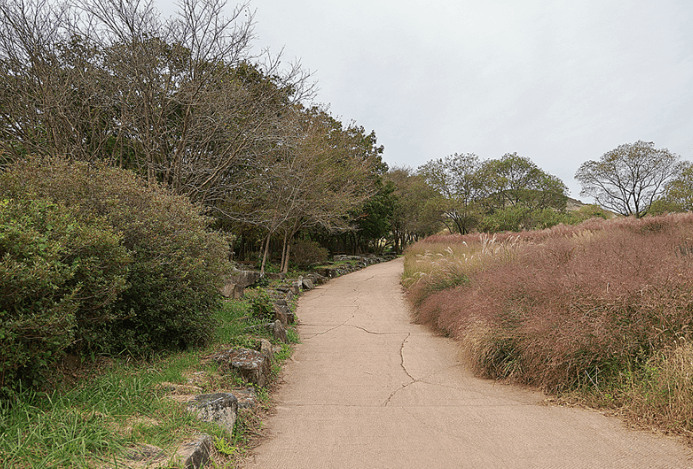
(368,389)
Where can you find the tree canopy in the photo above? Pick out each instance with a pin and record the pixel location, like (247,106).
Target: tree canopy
(509,193)
(627,179)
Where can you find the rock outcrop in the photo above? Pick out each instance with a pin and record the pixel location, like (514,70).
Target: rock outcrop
(251,365)
(219,408)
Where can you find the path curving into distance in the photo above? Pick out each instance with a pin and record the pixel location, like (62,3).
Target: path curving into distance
(366,388)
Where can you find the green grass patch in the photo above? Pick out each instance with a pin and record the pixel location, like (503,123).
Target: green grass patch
(120,403)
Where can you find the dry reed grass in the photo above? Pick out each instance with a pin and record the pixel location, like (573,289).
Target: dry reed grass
(594,307)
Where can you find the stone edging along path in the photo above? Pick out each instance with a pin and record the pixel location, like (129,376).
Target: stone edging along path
(254,366)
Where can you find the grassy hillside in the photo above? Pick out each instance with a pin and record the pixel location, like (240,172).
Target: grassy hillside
(602,311)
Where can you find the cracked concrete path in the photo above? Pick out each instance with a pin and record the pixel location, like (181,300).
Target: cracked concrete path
(368,389)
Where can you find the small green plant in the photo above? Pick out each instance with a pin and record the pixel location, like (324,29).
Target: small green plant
(293,336)
(261,304)
(223,446)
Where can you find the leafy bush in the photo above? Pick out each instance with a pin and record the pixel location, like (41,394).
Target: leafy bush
(586,212)
(58,279)
(177,263)
(307,253)
(518,218)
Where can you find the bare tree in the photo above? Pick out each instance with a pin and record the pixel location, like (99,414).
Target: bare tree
(629,178)
(180,100)
(49,97)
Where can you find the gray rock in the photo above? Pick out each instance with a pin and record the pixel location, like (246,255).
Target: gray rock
(247,398)
(279,332)
(308,284)
(195,453)
(243,278)
(266,349)
(281,313)
(233,291)
(219,408)
(251,365)
(145,453)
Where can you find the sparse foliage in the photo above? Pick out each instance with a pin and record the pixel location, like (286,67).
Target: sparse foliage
(629,178)
(678,192)
(179,100)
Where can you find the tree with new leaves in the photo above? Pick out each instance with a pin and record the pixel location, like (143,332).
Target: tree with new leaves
(515,180)
(629,178)
(677,195)
(412,216)
(456,178)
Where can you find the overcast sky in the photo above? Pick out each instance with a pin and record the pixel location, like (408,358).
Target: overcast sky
(560,82)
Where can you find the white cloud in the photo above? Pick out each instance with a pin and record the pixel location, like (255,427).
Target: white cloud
(560,82)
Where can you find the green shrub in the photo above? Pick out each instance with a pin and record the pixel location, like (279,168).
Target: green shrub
(177,263)
(518,218)
(307,253)
(58,278)
(586,212)
(261,304)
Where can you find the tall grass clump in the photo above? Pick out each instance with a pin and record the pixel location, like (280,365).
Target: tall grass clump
(605,307)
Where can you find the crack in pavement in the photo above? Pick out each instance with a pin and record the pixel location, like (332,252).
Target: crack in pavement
(404,368)
(366,330)
(330,329)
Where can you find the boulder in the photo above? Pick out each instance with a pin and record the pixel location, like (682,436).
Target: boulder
(279,332)
(235,283)
(233,291)
(308,284)
(247,398)
(281,313)
(219,408)
(251,365)
(194,453)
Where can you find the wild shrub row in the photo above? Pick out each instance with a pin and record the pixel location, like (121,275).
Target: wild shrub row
(599,306)
(95,260)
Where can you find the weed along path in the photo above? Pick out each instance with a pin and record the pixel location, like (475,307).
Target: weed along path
(368,389)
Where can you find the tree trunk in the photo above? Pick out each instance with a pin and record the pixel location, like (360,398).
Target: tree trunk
(264,256)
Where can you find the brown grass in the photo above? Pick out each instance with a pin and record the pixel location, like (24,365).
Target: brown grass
(605,307)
